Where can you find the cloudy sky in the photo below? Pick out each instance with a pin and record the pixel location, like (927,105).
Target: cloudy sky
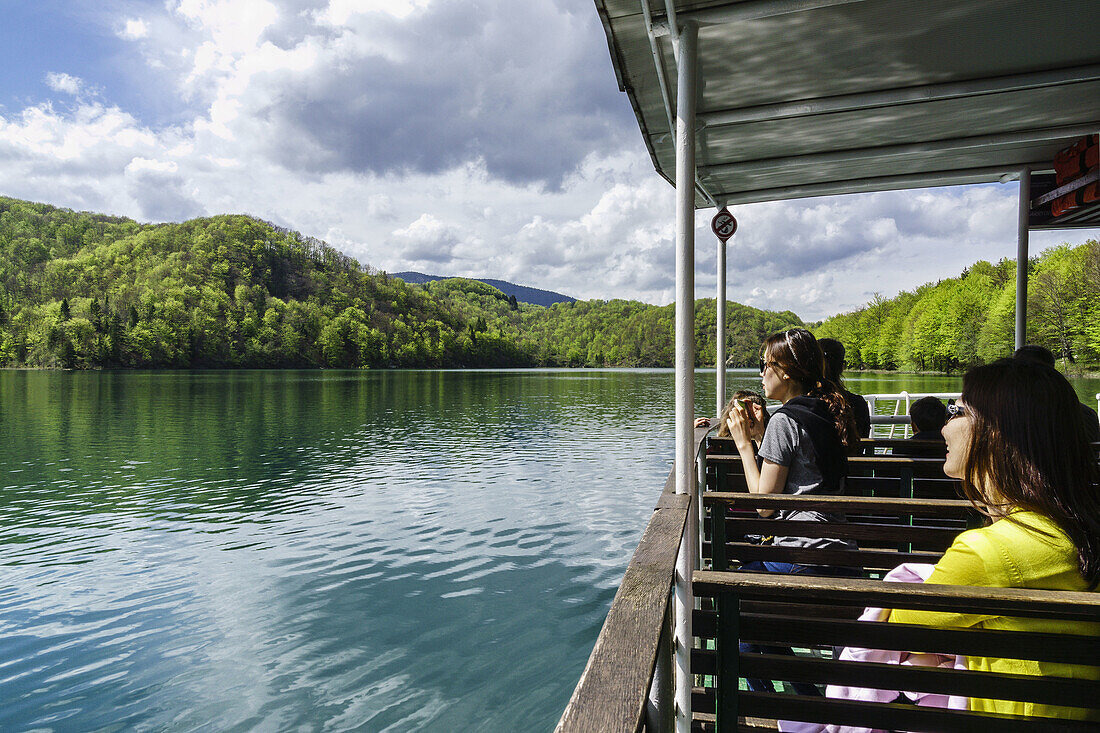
(484,138)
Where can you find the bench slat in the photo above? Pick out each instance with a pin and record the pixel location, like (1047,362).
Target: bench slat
(1071,605)
(885,505)
(894,533)
(894,716)
(867,559)
(812,631)
(1016,687)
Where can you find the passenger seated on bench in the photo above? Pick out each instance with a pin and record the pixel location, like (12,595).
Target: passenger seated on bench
(757,412)
(833,351)
(928,415)
(1017,441)
(1043,355)
(804,451)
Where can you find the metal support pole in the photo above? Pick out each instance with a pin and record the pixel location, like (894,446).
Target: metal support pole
(701,486)
(685,264)
(720,332)
(685,361)
(1021,257)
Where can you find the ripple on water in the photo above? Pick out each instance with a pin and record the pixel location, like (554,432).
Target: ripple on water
(367,551)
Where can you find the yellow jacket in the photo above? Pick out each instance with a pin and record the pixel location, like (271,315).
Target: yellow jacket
(1023,550)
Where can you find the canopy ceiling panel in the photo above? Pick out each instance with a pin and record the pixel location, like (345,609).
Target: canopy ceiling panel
(877,90)
(878,126)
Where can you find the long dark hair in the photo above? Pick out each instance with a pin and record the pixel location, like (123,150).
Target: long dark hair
(832,364)
(798,354)
(1029,445)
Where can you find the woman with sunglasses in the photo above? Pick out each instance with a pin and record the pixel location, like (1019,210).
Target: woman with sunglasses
(805,446)
(803,451)
(1018,442)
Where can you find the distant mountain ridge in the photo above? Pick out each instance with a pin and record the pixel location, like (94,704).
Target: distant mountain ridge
(524,294)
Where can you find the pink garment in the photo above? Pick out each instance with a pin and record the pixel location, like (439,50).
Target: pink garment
(904,573)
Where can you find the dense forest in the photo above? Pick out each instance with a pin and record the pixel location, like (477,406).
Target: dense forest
(968,320)
(81,290)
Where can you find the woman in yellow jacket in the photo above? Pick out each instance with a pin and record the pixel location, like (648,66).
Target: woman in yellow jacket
(1017,442)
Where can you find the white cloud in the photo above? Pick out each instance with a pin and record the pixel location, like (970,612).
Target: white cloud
(134,29)
(339,12)
(64,83)
(426,240)
(234,25)
(422,135)
(142,165)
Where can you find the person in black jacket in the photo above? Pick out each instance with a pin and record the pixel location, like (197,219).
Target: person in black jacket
(833,353)
(928,415)
(1036,354)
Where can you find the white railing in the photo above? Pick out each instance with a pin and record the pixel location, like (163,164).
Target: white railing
(885,425)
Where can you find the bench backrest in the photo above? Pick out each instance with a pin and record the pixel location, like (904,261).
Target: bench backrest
(879,475)
(816,614)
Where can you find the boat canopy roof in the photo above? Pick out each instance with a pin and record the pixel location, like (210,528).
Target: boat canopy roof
(816,97)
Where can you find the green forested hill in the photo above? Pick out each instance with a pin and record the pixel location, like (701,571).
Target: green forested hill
(970,319)
(84,290)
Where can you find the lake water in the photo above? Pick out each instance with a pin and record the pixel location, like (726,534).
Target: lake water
(322,550)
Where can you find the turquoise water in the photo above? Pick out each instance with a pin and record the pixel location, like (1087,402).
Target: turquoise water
(319,550)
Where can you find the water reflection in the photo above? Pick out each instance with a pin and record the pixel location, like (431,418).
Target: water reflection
(348,550)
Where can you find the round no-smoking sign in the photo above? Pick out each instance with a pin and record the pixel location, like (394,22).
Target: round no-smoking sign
(723,224)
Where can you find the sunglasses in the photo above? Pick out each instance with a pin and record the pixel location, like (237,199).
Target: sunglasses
(765,364)
(955,410)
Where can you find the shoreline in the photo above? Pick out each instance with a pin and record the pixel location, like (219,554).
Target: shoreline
(1082,374)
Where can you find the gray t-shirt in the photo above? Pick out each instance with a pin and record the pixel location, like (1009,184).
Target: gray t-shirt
(788,444)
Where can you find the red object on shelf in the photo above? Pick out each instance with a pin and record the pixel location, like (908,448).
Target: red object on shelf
(1073,199)
(1076,160)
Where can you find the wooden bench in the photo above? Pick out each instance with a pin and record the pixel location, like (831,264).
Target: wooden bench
(881,446)
(868,475)
(816,615)
(885,530)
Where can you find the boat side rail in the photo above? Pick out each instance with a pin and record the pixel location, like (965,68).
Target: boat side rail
(627,682)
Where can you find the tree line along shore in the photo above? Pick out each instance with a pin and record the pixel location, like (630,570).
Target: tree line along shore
(958,322)
(81,290)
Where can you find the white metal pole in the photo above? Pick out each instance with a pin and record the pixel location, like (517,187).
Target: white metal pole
(1021,257)
(685,263)
(659,707)
(685,359)
(701,486)
(720,332)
